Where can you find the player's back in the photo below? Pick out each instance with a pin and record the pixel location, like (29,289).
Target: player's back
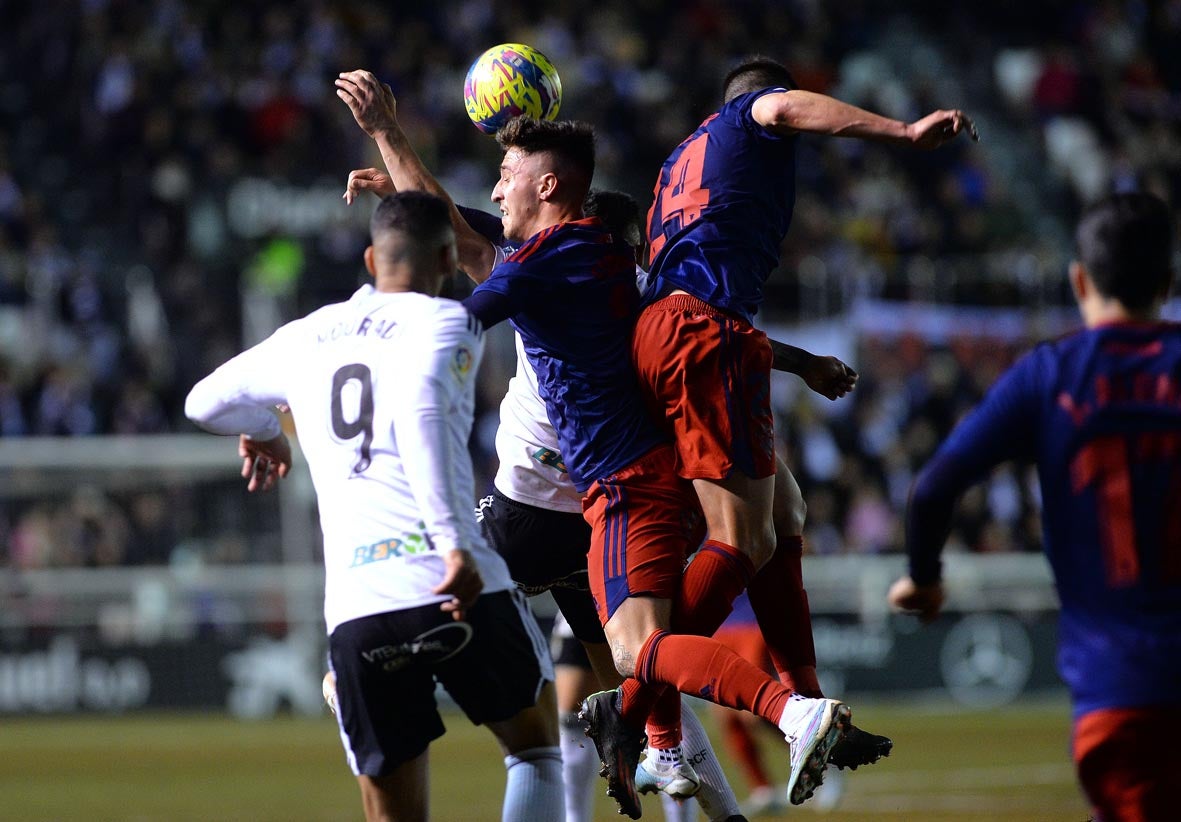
(368,373)
(1109,456)
(722,205)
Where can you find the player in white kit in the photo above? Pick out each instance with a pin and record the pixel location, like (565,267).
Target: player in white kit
(381,388)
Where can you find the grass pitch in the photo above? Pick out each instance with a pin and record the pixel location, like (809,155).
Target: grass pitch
(947,766)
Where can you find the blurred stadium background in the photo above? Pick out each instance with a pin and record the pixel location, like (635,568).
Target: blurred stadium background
(170,180)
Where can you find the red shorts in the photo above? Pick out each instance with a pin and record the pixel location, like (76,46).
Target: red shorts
(1128,761)
(708,375)
(641,519)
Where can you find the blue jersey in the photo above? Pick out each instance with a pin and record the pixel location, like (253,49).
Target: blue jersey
(571,293)
(1099,412)
(721,207)
(743,614)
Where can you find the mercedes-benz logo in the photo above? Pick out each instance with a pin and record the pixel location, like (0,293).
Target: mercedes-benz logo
(986,660)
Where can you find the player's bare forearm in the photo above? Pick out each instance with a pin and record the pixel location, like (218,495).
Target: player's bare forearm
(409,173)
(788,358)
(827,376)
(405,167)
(375,110)
(812,113)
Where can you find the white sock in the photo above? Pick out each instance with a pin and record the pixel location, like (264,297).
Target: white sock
(534,786)
(580,770)
(669,757)
(794,710)
(682,811)
(715,796)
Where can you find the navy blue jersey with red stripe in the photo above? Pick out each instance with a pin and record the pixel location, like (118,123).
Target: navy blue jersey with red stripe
(722,205)
(1099,411)
(570,291)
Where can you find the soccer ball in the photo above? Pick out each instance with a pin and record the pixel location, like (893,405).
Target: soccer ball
(509,80)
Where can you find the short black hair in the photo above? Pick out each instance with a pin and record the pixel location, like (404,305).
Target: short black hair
(753,74)
(422,218)
(1125,241)
(571,141)
(619,211)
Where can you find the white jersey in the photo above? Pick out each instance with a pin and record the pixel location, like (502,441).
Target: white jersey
(531,467)
(382,391)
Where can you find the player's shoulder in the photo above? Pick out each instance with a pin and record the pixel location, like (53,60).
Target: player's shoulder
(540,245)
(740,110)
(444,316)
(314,322)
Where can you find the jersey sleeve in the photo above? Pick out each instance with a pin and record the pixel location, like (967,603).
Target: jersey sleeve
(1003,427)
(239,397)
(746,118)
(512,288)
(486,225)
(431,388)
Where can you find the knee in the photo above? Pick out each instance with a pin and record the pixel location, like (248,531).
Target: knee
(760,545)
(797,514)
(790,512)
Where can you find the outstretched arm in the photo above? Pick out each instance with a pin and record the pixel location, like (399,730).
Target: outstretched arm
(787,112)
(240,398)
(827,376)
(375,109)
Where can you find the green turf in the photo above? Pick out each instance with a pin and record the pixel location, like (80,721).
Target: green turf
(1006,764)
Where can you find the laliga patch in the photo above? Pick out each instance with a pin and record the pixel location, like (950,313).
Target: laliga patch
(461,363)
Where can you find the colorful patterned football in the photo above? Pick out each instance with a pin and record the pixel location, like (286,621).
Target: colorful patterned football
(508,80)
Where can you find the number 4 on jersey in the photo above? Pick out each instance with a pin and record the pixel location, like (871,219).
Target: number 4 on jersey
(681,199)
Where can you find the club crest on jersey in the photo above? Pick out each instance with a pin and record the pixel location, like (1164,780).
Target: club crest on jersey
(461,363)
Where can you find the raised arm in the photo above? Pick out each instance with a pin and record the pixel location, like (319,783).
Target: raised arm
(788,112)
(827,376)
(375,109)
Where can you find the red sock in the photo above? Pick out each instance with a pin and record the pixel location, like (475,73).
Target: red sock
(638,701)
(704,667)
(664,722)
(745,749)
(717,574)
(780,603)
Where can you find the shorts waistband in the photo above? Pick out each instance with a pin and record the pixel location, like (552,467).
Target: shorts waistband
(687,302)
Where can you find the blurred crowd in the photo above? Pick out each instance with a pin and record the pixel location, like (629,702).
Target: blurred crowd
(170,176)
(856,464)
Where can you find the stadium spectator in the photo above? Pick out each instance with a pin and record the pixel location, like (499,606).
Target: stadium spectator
(149,162)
